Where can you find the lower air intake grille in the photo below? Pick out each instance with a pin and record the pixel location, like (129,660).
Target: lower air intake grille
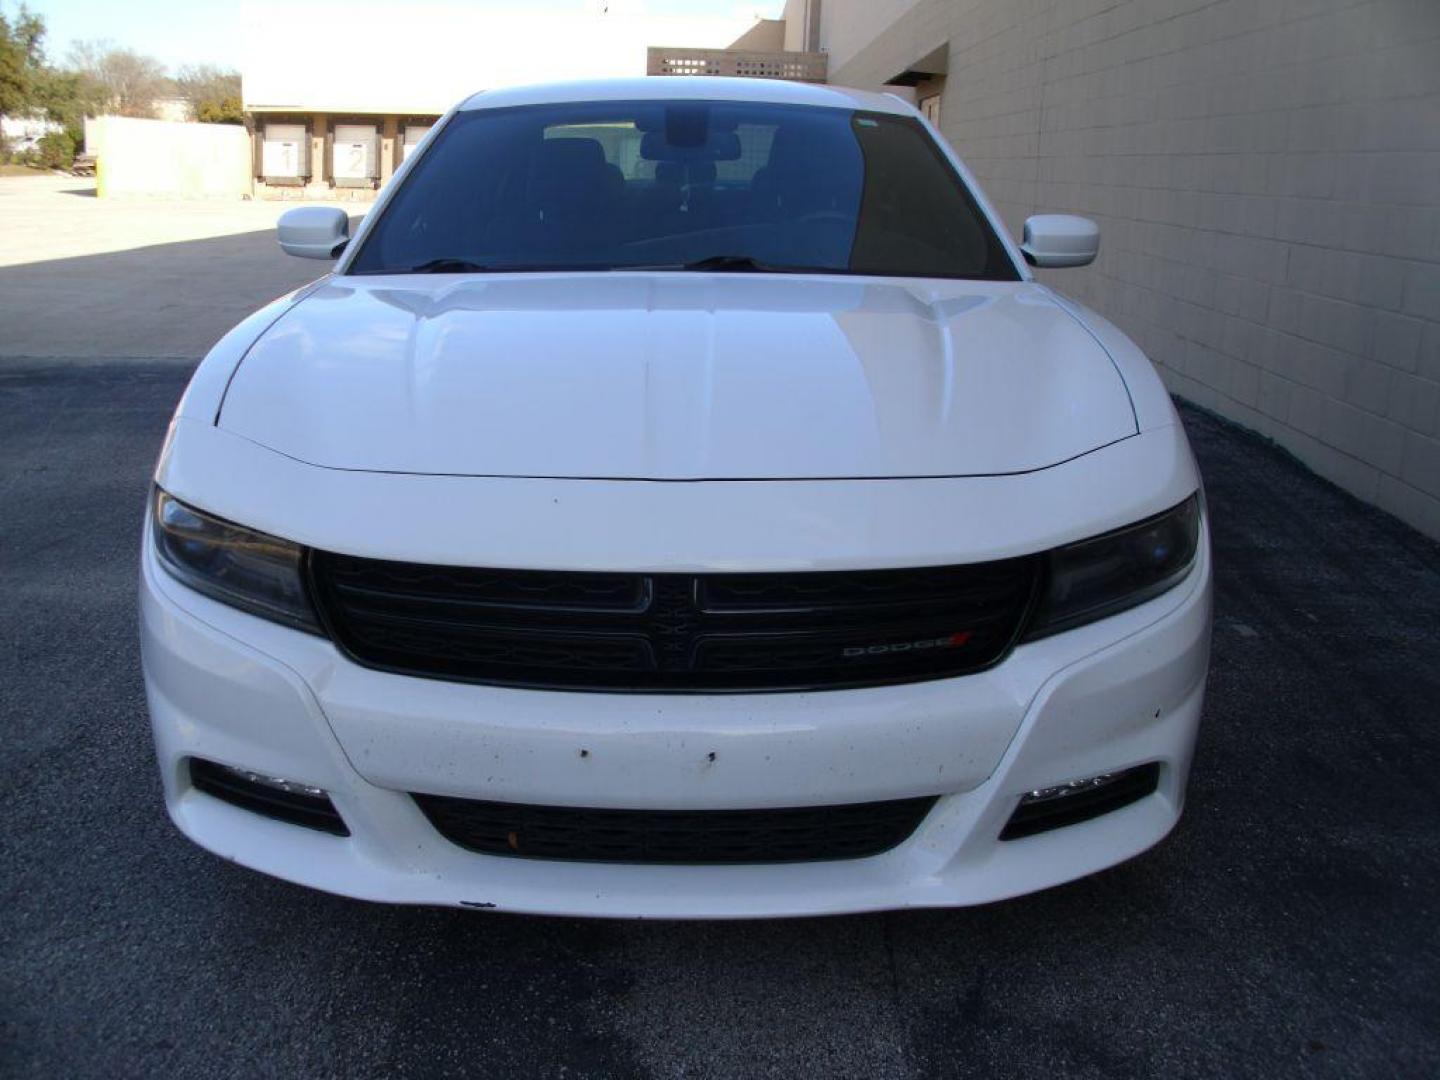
(568,630)
(792,834)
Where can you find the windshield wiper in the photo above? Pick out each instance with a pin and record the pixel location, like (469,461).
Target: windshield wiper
(732,264)
(722,264)
(453,265)
(447,265)
(744,264)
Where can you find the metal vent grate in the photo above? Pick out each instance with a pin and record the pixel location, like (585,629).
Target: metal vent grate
(792,834)
(673,632)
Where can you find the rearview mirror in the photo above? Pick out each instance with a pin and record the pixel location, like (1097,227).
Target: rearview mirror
(314,232)
(1055,240)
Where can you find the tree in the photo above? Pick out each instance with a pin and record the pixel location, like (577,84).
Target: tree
(20,55)
(129,82)
(56,150)
(212,93)
(226,110)
(66,97)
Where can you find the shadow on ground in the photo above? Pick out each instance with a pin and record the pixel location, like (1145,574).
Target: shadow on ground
(1288,926)
(162,300)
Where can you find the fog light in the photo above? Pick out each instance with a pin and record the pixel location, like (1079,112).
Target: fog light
(1055,807)
(279,783)
(271,796)
(1074,787)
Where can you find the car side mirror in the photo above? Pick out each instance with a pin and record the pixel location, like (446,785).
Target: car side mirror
(1055,240)
(314,232)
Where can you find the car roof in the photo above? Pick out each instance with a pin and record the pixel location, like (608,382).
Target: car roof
(689,88)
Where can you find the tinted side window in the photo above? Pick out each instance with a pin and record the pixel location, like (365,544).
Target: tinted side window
(916,216)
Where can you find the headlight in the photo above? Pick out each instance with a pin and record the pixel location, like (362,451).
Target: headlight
(1096,578)
(238,566)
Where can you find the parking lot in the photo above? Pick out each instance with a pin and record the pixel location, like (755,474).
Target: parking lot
(1287,927)
(82,277)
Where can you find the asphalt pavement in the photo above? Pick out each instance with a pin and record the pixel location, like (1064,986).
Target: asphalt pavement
(1288,927)
(126,278)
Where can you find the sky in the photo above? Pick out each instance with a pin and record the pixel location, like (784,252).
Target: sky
(180,32)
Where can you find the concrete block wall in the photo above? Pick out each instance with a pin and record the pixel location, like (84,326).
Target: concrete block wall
(1266,175)
(164,157)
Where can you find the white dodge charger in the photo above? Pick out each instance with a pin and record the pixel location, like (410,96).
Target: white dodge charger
(679,499)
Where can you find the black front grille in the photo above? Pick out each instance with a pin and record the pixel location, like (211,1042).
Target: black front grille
(792,834)
(673,632)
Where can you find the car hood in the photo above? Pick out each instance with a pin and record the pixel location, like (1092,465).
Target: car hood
(670,376)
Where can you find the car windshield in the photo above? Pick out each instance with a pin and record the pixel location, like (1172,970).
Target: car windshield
(684,185)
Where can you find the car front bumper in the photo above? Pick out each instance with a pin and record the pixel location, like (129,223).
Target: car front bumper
(230,688)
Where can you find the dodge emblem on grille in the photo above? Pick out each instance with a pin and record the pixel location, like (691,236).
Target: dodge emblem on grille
(948,641)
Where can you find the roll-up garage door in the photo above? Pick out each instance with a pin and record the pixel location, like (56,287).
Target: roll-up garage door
(356,158)
(285,153)
(413,134)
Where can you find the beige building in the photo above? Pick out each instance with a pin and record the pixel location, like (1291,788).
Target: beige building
(336,121)
(1266,175)
(762,52)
